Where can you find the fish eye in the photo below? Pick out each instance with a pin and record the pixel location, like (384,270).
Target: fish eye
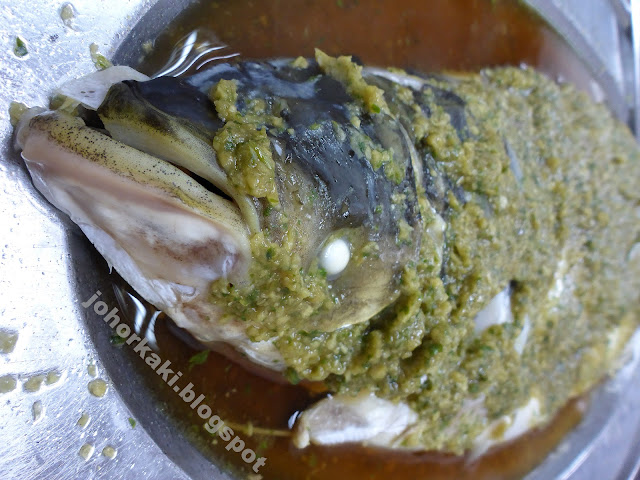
(335,257)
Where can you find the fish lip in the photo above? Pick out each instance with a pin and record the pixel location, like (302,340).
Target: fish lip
(133,114)
(68,160)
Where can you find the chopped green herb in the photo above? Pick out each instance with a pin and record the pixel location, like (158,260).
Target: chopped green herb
(263,445)
(20,48)
(292,376)
(132,422)
(116,340)
(99,60)
(198,359)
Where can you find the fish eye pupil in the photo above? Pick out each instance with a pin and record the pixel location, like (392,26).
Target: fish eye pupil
(335,257)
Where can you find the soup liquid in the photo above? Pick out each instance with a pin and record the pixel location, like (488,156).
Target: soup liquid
(410,34)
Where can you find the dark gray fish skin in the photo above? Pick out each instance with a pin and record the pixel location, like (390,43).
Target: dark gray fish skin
(177,98)
(435,184)
(312,99)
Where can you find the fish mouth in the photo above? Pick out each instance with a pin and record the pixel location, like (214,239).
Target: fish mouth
(167,235)
(179,131)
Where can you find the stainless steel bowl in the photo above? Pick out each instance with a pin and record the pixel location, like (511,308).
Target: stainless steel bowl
(48,268)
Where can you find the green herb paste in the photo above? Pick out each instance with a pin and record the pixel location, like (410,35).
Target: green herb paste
(242,146)
(543,199)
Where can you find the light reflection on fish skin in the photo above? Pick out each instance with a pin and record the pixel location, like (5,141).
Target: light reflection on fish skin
(141,314)
(197,48)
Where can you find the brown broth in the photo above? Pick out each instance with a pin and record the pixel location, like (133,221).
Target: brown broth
(243,398)
(412,34)
(427,36)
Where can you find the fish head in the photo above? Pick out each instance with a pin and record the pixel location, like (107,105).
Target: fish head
(286,190)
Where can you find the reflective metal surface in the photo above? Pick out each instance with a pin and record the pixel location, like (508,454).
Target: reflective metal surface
(634,12)
(47,268)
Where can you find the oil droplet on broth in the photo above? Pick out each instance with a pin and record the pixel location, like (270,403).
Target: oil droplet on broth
(98,387)
(53,376)
(8,383)
(86,451)
(84,420)
(36,411)
(33,383)
(67,14)
(109,452)
(8,340)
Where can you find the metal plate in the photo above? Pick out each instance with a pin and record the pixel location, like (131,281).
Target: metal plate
(47,268)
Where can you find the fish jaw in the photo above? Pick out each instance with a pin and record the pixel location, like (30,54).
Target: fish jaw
(165,234)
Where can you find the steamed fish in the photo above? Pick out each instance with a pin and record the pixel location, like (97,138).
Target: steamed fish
(454,256)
